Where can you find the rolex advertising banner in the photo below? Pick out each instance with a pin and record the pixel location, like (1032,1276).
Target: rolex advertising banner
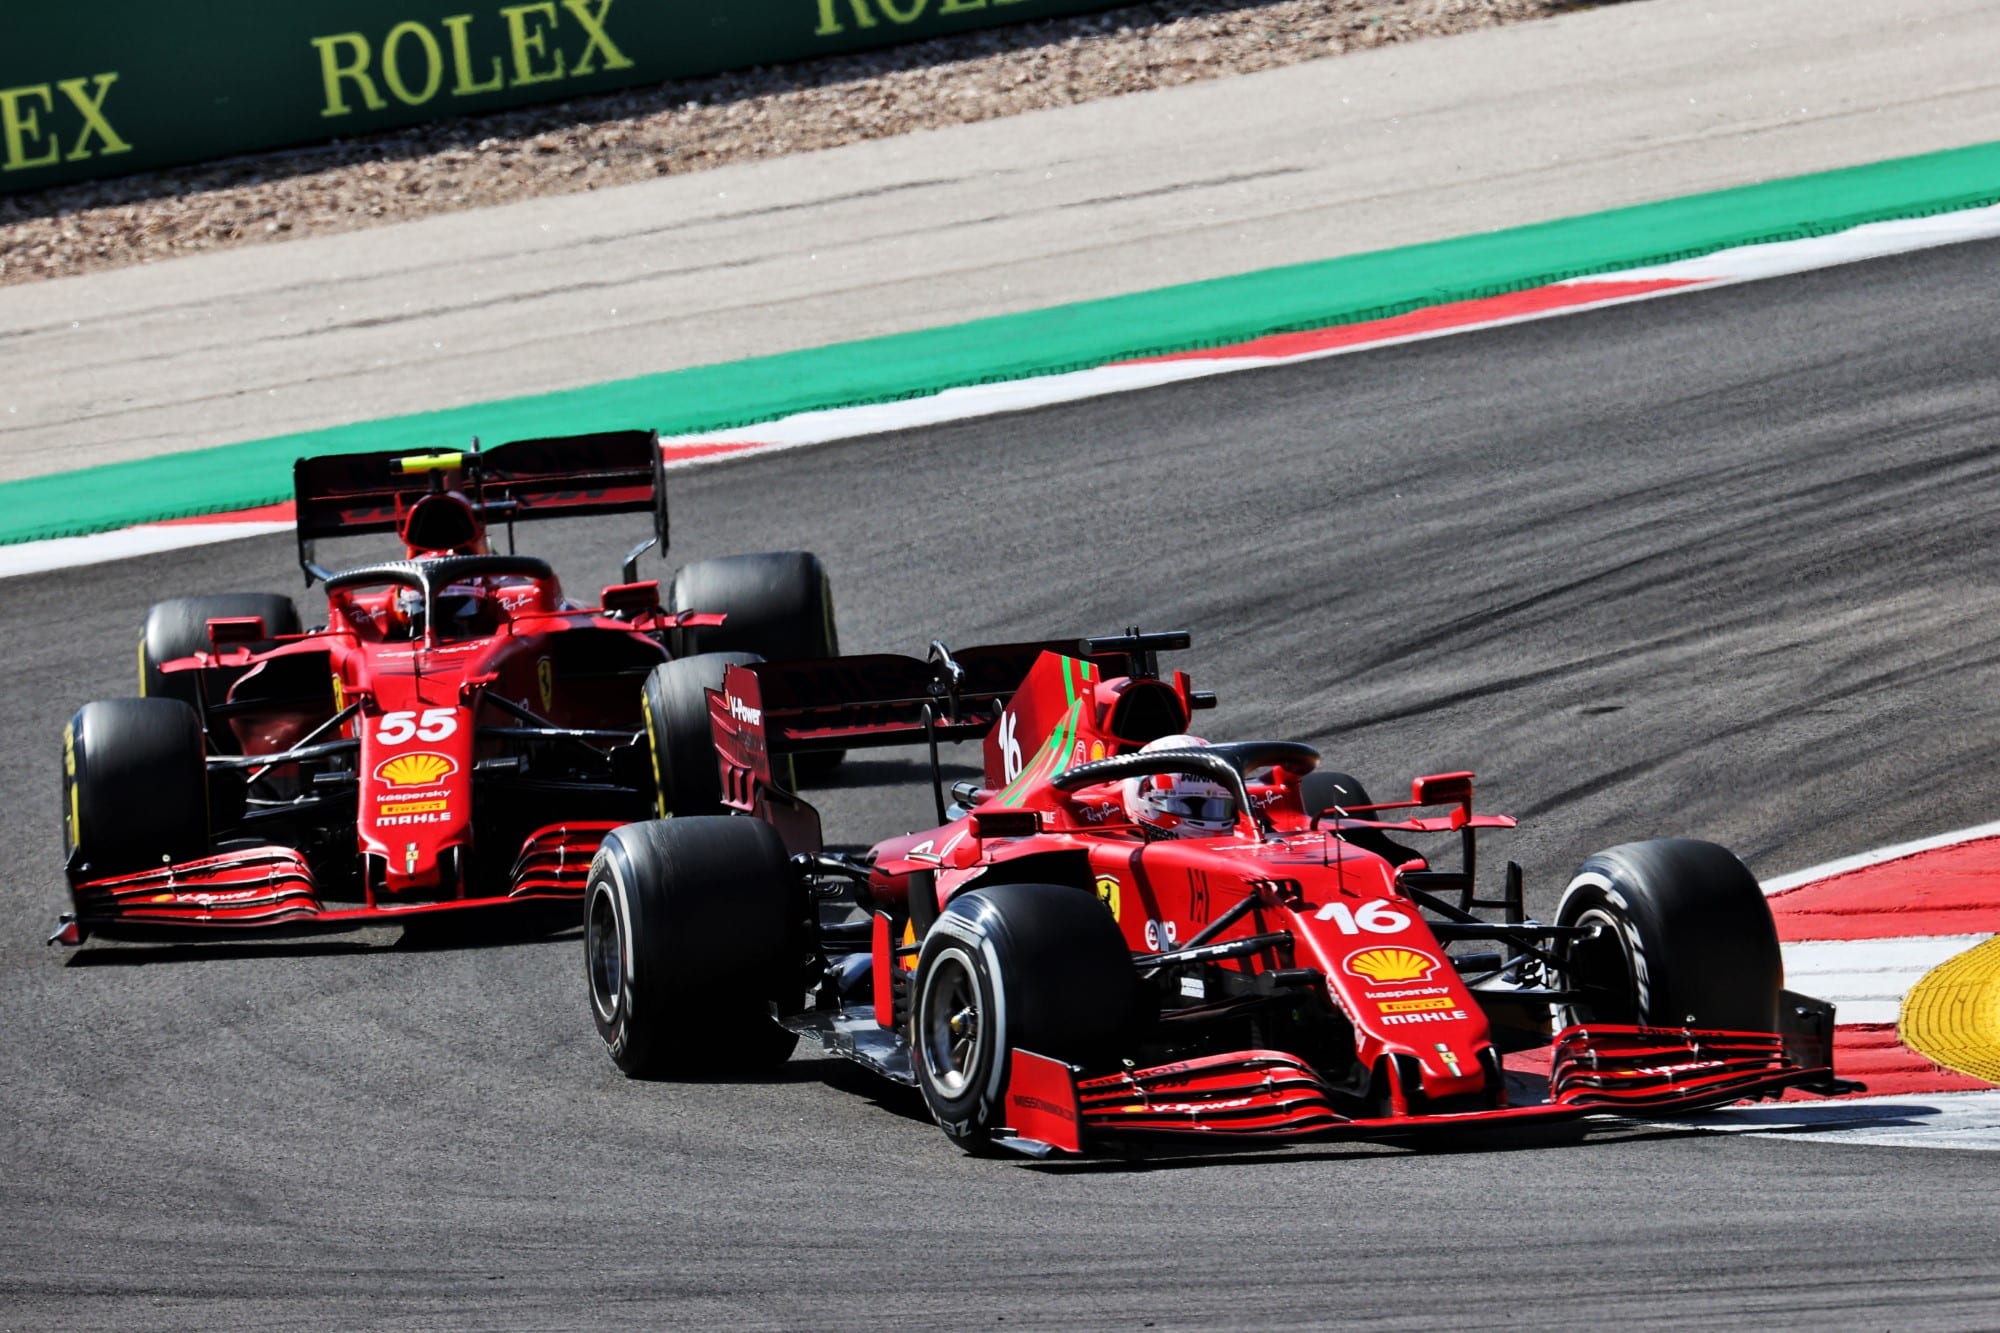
(104,87)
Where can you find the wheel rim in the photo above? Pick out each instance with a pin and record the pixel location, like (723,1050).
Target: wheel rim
(953,1031)
(603,948)
(1600,969)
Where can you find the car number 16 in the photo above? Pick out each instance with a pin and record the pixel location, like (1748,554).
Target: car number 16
(1375,917)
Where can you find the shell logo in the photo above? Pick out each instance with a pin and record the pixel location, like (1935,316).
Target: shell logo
(1392,964)
(418,769)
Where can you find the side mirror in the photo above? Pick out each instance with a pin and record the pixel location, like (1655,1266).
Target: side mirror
(628,599)
(1442,789)
(225,630)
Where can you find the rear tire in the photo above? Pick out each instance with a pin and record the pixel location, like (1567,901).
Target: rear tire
(179,628)
(1686,940)
(779,605)
(687,775)
(1037,967)
(135,787)
(693,930)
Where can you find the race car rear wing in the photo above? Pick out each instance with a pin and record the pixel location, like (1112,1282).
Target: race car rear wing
(571,476)
(874,699)
(766,711)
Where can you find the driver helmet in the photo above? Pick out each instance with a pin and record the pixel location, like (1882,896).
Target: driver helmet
(1179,805)
(405,614)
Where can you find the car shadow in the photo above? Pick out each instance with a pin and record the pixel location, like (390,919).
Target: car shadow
(1143,1154)
(146,955)
(142,954)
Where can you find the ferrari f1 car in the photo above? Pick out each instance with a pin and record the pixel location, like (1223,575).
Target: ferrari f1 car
(457,738)
(1051,975)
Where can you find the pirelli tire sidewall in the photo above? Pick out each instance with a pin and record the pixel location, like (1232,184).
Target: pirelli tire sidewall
(1687,925)
(1047,970)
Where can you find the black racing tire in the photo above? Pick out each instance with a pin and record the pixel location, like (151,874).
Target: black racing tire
(135,790)
(1687,940)
(687,775)
(779,605)
(179,628)
(1036,967)
(694,929)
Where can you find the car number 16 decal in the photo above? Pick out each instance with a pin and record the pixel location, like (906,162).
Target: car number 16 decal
(1010,748)
(434,725)
(1375,918)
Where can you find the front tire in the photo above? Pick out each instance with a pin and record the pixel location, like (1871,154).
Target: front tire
(693,930)
(135,787)
(1037,967)
(179,628)
(1685,939)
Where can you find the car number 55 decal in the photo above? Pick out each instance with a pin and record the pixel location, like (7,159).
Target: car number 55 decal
(434,725)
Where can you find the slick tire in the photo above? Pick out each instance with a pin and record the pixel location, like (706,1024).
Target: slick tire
(780,606)
(694,936)
(687,775)
(1685,939)
(179,628)
(1036,967)
(135,791)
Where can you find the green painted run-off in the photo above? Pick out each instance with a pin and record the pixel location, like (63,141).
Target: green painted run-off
(1216,313)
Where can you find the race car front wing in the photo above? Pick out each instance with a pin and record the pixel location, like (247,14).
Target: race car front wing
(1600,1070)
(270,891)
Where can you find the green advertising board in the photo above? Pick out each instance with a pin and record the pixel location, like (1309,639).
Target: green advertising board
(104,87)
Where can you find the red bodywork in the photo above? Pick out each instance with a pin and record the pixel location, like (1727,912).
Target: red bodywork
(458,737)
(1327,906)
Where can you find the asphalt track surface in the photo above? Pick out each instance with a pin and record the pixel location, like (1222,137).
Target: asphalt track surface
(1716,565)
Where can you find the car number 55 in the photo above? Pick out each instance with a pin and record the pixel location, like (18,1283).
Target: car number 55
(433,725)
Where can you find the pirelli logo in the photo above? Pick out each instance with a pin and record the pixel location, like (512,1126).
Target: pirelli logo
(412,807)
(1417,1006)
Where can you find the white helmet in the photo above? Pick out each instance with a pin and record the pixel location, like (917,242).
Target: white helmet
(1179,805)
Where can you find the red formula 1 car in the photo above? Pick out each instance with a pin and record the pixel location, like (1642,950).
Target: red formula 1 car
(1051,973)
(458,737)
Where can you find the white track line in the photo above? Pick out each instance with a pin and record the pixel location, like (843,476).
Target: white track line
(1867,979)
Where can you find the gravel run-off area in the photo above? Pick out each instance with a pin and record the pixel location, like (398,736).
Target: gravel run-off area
(591,143)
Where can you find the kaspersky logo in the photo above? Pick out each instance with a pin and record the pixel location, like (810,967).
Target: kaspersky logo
(420,768)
